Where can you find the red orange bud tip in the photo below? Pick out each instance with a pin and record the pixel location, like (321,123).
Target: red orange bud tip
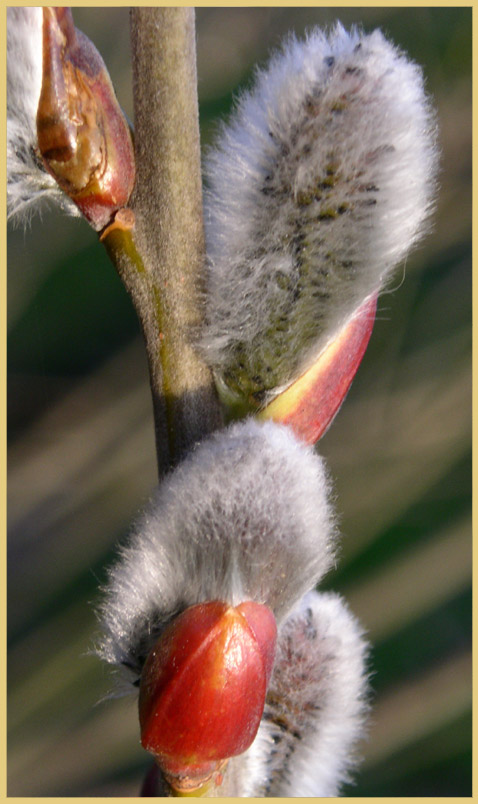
(310,404)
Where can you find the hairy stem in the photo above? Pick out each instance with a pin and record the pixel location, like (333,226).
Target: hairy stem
(161,256)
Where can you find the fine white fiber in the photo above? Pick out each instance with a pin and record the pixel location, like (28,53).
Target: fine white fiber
(316,704)
(318,186)
(246,516)
(28,182)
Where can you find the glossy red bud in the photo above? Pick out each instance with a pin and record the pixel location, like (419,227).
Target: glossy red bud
(310,404)
(203,688)
(83,137)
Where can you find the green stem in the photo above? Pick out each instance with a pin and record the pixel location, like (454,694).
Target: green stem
(160,253)
(120,244)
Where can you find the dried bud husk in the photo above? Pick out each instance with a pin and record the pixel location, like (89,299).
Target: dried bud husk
(83,136)
(203,688)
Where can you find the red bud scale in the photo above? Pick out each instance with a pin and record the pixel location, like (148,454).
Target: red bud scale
(203,689)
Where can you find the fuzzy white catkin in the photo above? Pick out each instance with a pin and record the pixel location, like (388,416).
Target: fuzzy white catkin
(244,516)
(319,185)
(315,707)
(28,183)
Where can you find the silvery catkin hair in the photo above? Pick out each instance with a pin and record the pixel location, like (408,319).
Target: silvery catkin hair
(318,186)
(316,704)
(28,183)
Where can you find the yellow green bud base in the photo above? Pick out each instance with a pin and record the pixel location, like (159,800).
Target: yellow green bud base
(186,787)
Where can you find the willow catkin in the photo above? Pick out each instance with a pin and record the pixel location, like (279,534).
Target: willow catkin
(319,185)
(316,705)
(246,516)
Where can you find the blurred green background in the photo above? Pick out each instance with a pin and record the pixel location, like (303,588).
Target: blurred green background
(81,451)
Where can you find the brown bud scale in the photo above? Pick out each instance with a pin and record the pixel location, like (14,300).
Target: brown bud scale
(83,137)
